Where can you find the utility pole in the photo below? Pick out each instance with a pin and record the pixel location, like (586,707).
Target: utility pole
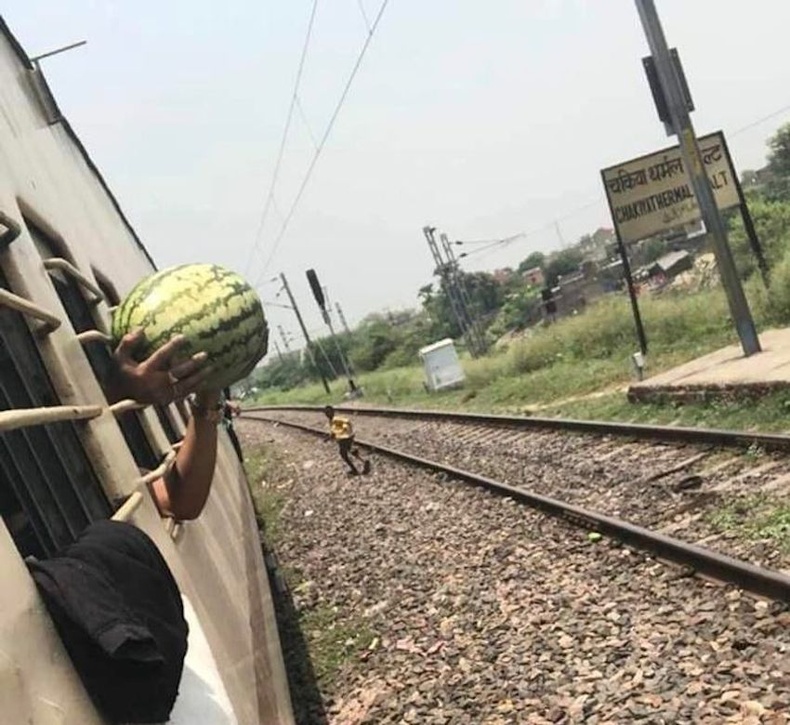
(304,331)
(463,293)
(681,126)
(284,338)
(559,234)
(444,269)
(277,350)
(320,299)
(342,318)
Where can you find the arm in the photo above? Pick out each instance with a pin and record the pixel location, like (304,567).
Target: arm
(182,492)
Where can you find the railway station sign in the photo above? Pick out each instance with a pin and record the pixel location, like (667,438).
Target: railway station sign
(653,193)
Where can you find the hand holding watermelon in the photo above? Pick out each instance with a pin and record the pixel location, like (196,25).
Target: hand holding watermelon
(192,315)
(158,379)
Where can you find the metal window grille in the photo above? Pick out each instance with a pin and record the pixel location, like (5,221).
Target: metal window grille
(164,413)
(81,312)
(48,489)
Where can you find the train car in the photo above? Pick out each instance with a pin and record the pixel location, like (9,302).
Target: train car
(67,256)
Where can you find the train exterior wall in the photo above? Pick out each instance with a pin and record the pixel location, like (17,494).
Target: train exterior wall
(47,179)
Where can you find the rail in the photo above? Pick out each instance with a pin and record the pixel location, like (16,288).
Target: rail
(678,434)
(704,562)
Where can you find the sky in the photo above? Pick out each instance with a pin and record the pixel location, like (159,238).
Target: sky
(483,119)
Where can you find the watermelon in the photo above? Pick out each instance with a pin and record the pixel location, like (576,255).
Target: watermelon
(214,308)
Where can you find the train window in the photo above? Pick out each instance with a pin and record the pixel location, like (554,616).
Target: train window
(107,288)
(82,317)
(48,489)
(163,413)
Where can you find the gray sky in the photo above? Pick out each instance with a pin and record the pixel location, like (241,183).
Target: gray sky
(484,119)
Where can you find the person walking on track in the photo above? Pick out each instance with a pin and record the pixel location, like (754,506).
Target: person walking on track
(342,431)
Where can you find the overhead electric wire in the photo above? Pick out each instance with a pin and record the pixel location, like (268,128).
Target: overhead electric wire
(275,174)
(306,124)
(364,15)
(760,120)
(322,143)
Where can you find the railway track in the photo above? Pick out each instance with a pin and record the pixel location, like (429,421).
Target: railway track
(446,604)
(650,487)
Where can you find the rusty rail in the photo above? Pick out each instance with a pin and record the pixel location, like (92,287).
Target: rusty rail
(702,561)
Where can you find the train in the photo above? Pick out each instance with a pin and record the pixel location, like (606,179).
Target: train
(68,255)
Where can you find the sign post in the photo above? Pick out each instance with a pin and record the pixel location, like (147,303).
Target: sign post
(693,161)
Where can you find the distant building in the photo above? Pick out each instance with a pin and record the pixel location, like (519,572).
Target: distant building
(666,268)
(596,247)
(504,275)
(576,290)
(534,277)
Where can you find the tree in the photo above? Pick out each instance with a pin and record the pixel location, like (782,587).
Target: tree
(536,259)
(772,223)
(564,262)
(778,186)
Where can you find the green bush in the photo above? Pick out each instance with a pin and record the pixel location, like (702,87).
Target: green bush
(776,302)
(772,223)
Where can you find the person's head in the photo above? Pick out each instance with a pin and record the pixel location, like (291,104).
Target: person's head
(329,412)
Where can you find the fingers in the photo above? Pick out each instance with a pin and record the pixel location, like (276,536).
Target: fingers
(128,344)
(188,367)
(160,358)
(189,385)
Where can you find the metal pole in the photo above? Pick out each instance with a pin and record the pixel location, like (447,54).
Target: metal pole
(342,318)
(692,160)
(35,59)
(751,233)
(343,360)
(284,338)
(748,223)
(465,300)
(442,270)
(629,281)
(304,331)
(326,357)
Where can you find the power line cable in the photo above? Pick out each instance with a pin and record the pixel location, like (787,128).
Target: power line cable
(322,143)
(310,133)
(364,15)
(760,120)
(281,151)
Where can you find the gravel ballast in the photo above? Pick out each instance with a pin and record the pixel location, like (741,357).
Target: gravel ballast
(677,489)
(464,607)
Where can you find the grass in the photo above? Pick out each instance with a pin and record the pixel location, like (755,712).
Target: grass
(332,642)
(769,414)
(757,517)
(581,366)
(262,465)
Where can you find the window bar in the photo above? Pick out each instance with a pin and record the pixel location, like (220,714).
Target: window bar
(12,230)
(124,513)
(158,472)
(160,443)
(68,268)
(94,336)
(12,419)
(49,321)
(126,405)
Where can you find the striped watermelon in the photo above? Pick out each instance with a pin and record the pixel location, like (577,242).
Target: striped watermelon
(214,308)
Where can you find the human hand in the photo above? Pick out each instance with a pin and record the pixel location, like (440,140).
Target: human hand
(158,379)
